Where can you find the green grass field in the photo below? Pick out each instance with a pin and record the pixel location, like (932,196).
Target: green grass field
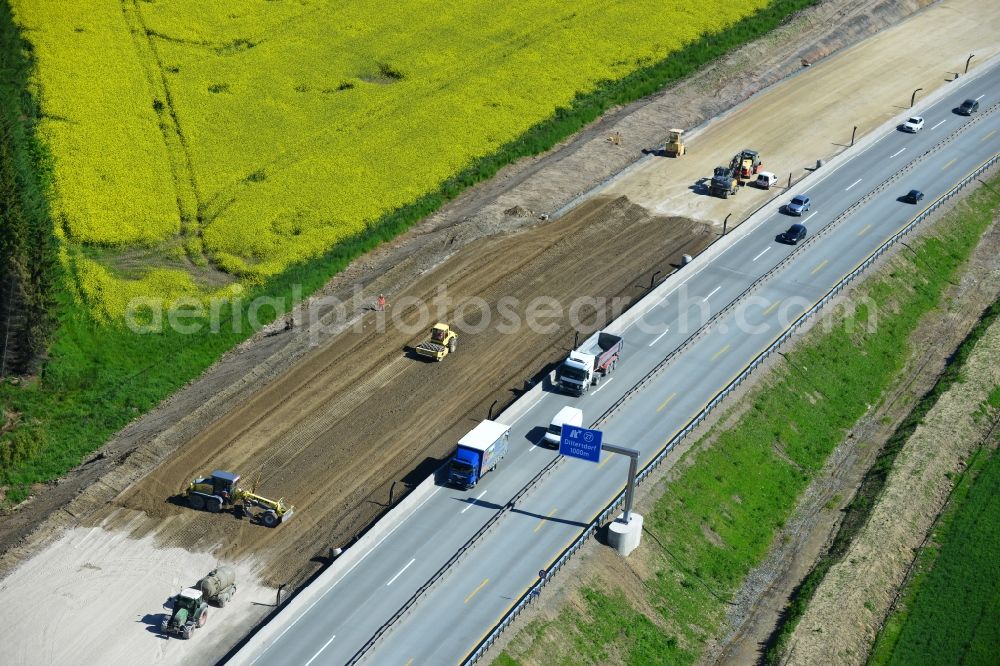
(857,512)
(717,519)
(949,612)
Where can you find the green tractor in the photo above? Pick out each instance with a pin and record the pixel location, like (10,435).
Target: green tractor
(190,612)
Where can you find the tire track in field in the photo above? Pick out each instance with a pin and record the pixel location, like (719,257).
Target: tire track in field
(189,202)
(301,148)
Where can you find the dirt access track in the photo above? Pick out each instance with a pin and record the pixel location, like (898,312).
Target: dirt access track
(331,428)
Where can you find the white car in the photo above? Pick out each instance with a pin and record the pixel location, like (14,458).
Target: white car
(914,124)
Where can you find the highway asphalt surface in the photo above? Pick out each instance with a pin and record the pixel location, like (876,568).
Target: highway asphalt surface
(463,607)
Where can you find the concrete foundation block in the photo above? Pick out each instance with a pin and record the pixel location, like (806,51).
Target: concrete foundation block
(625,537)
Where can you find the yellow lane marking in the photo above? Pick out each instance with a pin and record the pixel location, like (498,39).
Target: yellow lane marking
(953,160)
(541,523)
(865,230)
(604,462)
(819,267)
(773,305)
(408,661)
(721,352)
(992,132)
(666,402)
(473,593)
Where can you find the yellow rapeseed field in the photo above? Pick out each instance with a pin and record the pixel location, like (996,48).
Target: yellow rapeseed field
(243,136)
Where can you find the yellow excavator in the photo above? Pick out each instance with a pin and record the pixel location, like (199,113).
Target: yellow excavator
(221,490)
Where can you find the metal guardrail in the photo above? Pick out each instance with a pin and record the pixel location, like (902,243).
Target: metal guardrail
(571,550)
(442,572)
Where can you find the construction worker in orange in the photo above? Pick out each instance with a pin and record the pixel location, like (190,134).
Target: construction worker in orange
(380,302)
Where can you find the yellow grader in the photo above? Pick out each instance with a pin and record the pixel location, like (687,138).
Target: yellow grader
(221,490)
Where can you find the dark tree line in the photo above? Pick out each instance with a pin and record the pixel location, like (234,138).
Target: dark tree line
(29,262)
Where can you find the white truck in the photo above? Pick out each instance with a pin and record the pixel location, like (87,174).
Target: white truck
(567,416)
(586,365)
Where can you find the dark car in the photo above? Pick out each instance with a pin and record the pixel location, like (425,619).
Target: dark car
(799,204)
(795,233)
(913,196)
(968,107)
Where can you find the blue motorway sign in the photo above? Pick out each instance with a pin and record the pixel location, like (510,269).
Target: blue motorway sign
(582,443)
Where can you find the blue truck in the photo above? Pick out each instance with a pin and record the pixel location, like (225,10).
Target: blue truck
(478,452)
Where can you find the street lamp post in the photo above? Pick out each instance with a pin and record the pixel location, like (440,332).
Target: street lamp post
(968,60)
(913,97)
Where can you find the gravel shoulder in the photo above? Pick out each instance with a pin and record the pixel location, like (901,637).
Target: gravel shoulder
(100,597)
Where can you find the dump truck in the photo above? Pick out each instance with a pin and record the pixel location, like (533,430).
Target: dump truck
(674,147)
(749,165)
(190,612)
(478,452)
(724,182)
(219,585)
(221,490)
(442,342)
(587,364)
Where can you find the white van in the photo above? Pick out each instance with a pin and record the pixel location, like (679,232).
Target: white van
(570,416)
(765,180)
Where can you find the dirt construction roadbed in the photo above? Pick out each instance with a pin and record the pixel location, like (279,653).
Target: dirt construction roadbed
(332,434)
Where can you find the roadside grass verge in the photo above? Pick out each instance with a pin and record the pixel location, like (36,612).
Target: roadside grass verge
(949,611)
(857,512)
(97,378)
(716,520)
